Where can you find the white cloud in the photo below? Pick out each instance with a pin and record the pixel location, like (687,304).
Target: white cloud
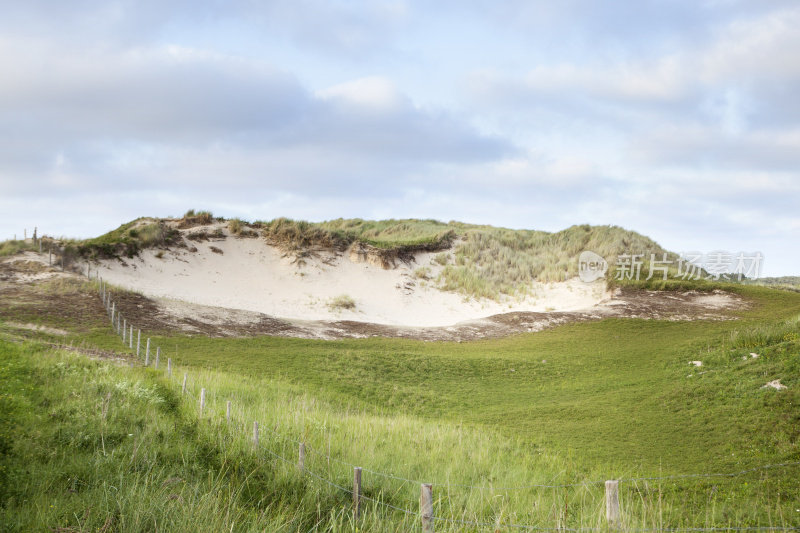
(679,120)
(373,92)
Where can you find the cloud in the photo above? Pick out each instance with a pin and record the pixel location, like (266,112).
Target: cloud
(151,113)
(747,55)
(677,119)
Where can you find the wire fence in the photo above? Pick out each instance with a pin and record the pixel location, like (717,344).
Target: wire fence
(126,332)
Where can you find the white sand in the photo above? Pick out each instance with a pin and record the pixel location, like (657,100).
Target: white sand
(253,276)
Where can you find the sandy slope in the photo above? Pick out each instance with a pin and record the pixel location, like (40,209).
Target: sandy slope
(251,275)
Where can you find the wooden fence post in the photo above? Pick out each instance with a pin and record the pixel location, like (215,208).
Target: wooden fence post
(138,341)
(255,434)
(146,350)
(202,400)
(301,457)
(158,353)
(183,389)
(612,502)
(228,411)
(426,507)
(113,309)
(356,491)
(124,329)
(169,367)
(130,339)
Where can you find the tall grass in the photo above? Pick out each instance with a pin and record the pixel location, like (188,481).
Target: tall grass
(766,334)
(90,444)
(13,247)
(495,261)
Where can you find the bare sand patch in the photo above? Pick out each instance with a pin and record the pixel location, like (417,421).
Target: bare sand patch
(250,275)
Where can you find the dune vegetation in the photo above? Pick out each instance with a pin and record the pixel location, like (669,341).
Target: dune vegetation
(477,261)
(480,261)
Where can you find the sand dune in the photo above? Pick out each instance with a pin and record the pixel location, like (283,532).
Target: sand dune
(251,275)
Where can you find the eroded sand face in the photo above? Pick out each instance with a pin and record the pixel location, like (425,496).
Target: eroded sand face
(21,278)
(251,275)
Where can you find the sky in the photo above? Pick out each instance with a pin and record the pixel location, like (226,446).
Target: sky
(676,119)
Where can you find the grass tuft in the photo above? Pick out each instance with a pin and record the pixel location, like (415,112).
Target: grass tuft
(342,303)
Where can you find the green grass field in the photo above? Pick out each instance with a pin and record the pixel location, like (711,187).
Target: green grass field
(580,403)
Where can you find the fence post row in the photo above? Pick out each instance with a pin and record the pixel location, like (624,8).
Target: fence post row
(146,351)
(426,507)
(158,352)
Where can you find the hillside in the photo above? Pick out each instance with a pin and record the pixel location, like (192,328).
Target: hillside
(414,273)
(481,261)
(687,396)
